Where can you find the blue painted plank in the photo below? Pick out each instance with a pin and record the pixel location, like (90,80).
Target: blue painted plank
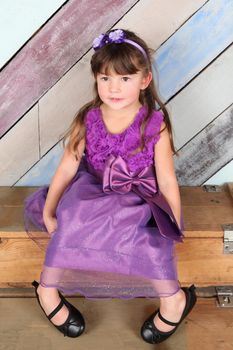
(206,34)
(42,173)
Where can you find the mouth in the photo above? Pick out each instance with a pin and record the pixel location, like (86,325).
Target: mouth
(115,99)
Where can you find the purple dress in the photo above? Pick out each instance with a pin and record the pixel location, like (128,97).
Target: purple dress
(116,232)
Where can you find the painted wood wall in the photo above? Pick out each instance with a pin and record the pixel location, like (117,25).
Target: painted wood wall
(20,21)
(49,79)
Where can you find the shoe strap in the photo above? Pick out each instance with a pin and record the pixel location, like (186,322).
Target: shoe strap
(58,308)
(166,321)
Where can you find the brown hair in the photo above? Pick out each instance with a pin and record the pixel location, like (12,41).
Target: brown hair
(122,59)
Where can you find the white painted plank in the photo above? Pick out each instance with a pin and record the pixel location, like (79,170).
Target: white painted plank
(19,149)
(203,99)
(60,104)
(157,20)
(222,176)
(19,20)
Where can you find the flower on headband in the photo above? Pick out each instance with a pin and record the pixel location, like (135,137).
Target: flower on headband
(115,36)
(98,42)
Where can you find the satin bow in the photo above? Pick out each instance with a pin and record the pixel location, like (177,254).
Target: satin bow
(117,178)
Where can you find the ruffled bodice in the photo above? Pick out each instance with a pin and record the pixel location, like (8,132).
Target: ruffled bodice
(100,143)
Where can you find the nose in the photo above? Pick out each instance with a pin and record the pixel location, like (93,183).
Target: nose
(114,85)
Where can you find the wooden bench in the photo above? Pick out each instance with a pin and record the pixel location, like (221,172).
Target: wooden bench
(200,258)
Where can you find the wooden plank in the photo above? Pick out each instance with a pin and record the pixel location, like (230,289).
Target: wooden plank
(42,172)
(201,261)
(204,213)
(54,49)
(20,260)
(113,324)
(230,188)
(215,84)
(20,149)
(151,25)
(207,152)
(27,15)
(207,33)
(203,99)
(54,107)
(222,176)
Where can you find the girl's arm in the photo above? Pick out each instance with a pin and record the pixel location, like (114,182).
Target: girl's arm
(165,172)
(62,177)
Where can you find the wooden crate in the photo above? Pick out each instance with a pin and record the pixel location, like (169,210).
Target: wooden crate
(200,257)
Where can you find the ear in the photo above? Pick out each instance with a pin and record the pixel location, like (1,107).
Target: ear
(146,81)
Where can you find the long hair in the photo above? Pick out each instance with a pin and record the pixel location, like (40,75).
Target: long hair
(123,59)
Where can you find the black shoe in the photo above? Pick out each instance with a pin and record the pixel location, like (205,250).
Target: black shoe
(153,335)
(74,325)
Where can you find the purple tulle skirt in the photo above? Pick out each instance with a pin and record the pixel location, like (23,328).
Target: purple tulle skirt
(105,245)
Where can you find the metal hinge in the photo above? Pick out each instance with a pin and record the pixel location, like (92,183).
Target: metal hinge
(213,188)
(228,239)
(224,296)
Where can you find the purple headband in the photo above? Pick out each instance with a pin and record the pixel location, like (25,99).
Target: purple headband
(116,36)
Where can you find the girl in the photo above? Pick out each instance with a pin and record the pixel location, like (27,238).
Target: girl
(114,213)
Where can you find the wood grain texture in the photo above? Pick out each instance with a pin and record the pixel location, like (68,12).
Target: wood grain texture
(58,46)
(200,257)
(207,152)
(157,21)
(43,171)
(205,98)
(25,15)
(20,150)
(221,176)
(191,110)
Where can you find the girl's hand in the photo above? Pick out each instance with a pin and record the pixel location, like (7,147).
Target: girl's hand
(50,223)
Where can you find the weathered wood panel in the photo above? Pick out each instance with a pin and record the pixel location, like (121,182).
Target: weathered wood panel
(21,262)
(50,53)
(25,15)
(207,152)
(42,172)
(213,81)
(204,213)
(20,150)
(206,97)
(61,103)
(221,176)
(207,33)
(156,21)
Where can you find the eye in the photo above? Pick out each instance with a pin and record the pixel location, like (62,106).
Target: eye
(125,78)
(104,78)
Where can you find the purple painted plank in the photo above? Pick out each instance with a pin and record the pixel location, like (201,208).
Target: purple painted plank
(50,53)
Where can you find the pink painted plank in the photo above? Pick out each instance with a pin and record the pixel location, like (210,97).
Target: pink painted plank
(52,51)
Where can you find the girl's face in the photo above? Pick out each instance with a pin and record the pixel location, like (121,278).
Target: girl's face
(121,91)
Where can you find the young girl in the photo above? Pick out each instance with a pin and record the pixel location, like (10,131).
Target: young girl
(113,212)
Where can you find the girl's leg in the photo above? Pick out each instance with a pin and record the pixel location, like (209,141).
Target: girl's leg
(171,308)
(49,299)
